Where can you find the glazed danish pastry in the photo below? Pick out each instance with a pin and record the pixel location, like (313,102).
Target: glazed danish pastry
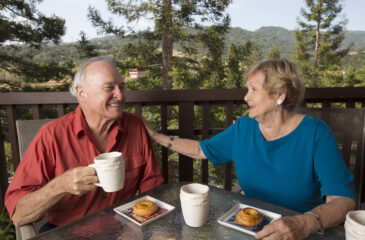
(144,208)
(249,217)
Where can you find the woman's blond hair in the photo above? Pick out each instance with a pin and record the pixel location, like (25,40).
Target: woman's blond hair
(281,74)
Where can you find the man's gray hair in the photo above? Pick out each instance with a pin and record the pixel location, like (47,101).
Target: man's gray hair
(80,74)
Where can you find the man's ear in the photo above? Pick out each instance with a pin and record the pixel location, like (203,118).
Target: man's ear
(80,92)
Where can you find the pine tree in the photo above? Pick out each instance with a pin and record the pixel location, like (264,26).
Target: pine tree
(213,64)
(234,74)
(21,23)
(249,54)
(274,52)
(319,39)
(175,21)
(85,48)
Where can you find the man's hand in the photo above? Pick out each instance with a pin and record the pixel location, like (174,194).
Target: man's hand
(295,227)
(80,180)
(76,181)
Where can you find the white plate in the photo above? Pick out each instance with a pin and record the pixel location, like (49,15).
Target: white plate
(228,219)
(126,210)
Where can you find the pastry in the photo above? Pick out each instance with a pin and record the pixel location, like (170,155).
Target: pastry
(249,217)
(144,208)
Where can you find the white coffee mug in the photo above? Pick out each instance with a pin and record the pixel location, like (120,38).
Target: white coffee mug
(110,171)
(355,225)
(195,200)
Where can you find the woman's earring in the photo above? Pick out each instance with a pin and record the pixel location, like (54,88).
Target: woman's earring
(279,102)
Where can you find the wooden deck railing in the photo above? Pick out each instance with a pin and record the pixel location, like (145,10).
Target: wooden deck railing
(184,100)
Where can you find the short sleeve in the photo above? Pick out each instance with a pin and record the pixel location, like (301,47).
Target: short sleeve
(327,161)
(219,149)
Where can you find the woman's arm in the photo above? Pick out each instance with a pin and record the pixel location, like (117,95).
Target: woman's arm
(332,213)
(188,147)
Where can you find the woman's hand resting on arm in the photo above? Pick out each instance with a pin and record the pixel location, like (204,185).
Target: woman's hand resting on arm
(187,147)
(332,213)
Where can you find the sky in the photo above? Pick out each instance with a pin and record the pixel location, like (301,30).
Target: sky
(247,14)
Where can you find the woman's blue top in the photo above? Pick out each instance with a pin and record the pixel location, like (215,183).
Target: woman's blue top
(296,171)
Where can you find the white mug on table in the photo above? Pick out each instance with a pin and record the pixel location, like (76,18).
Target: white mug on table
(355,225)
(195,200)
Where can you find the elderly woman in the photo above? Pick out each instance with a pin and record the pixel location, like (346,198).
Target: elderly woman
(281,157)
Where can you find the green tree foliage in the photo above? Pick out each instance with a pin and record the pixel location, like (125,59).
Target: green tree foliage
(176,21)
(249,54)
(7,231)
(240,59)
(112,46)
(85,48)
(212,64)
(274,52)
(234,73)
(318,47)
(22,23)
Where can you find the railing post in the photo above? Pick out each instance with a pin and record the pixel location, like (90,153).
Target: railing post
(326,104)
(138,109)
(350,104)
(205,133)
(164,151)
(228,166)
(3,170)
(60,110)
(10,113)
(186,130)
(2,198)
(36,111)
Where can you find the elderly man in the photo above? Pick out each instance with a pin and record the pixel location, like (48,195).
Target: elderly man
(53,178)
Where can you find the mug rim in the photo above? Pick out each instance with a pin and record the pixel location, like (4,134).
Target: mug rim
(110,155)
(205,189)
(350,218)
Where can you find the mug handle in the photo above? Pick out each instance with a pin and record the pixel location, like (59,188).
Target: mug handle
(93,166)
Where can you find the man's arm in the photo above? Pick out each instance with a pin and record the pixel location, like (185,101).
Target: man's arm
(33,206)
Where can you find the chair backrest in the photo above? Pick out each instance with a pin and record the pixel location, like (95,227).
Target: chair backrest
(26,130)
(348,127)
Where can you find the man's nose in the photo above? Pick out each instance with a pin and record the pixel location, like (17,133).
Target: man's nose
(118,93)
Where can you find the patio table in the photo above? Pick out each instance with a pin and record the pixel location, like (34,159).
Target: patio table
(107,224)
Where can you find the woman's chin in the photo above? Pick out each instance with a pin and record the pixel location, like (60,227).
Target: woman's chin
(251,115)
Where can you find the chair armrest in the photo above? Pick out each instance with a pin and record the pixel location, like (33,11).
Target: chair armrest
(25,232)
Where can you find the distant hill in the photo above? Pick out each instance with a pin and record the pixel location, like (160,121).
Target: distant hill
(358,38)
(265,36)
(285,39)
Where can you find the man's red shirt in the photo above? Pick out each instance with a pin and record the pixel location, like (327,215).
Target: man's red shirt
(67,143)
